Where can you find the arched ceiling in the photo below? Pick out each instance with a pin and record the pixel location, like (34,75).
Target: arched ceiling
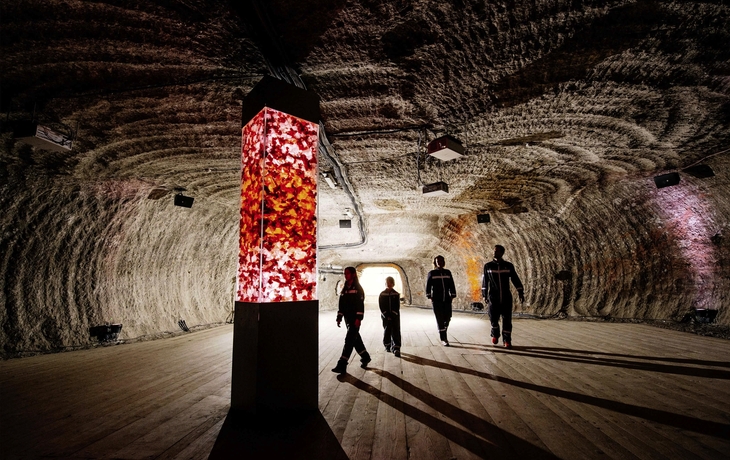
(565,108)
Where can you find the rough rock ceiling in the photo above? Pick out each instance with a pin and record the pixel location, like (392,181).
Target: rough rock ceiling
(566,109)
(548,97)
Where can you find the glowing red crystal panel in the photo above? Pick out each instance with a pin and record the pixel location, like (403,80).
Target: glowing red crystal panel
(278,240)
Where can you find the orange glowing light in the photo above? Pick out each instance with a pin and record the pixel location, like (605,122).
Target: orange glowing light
(278,229)
(474,273)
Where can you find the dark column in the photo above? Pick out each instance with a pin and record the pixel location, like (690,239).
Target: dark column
(275,338)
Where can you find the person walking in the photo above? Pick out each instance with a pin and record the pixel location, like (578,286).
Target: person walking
(389,302)
(496,292)
(441,290)
(352,309)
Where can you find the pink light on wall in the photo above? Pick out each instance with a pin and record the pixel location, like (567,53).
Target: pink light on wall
(690,219)
(278,228)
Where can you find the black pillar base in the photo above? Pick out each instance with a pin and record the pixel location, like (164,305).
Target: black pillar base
(275,357)
(298,436)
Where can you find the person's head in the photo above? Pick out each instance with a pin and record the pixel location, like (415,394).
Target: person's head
(439,262)
(390,282)
(350,275)
(498,252)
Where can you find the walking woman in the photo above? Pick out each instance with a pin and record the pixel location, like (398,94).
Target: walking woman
(352,308)
(441,290)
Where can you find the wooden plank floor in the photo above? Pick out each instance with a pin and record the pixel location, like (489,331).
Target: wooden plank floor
(570,390)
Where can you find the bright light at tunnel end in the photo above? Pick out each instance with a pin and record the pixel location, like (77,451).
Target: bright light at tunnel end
(277,259)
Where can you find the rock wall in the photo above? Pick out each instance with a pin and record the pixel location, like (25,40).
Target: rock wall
(623,250)
(77,254)
(81,253)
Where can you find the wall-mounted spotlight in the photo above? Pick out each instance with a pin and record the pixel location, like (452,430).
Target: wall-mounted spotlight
(483,218)
(666,180)
(446,148)
(346,221)
(184,201)
(330,179)
(43,137)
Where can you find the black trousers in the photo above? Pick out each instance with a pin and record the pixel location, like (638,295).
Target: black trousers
(502,310)
(352,340)
(442,311)
(391,333)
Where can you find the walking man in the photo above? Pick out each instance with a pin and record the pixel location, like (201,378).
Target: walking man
(440,288)
(496,291)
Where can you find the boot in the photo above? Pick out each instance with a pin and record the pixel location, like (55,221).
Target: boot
(364,359)
(341,367)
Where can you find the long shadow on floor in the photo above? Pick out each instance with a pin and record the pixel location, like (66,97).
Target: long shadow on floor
(607,359)
(684,422)
(498,443)
(290,436)
(696,362)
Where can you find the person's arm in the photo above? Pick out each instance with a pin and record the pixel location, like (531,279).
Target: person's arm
(395,302)
(485,283)
(517,283)
(339,312)
(360,312)
(382,303)
(429,284)
(452,285)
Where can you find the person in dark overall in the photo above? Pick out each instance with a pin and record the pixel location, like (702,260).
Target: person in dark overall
(496,291)
(389,302)
(352,308)
(441,290)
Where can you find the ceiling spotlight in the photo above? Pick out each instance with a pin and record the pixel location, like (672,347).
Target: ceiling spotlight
(329,179)
(445,148)
(436,189)
(348,213)
(666,180)
(345,223)
(184,201)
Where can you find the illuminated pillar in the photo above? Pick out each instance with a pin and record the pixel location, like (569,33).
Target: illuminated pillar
(275,337)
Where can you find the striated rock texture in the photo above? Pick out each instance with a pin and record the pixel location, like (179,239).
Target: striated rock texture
(567,110)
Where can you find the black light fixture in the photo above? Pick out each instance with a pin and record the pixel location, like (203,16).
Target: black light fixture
(483,218)
(184,201)
(666,180)
(345,223)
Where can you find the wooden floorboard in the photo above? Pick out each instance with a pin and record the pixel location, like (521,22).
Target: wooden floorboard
(568,389)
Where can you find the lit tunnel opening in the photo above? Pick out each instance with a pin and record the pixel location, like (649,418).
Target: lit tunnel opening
(372,280)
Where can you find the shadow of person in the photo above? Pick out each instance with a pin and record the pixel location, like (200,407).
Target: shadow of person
(684,422)
(562,351)
(613,360)
(290,435)
(493,443)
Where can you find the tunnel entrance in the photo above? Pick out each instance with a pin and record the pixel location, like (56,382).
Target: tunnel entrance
(372,280)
